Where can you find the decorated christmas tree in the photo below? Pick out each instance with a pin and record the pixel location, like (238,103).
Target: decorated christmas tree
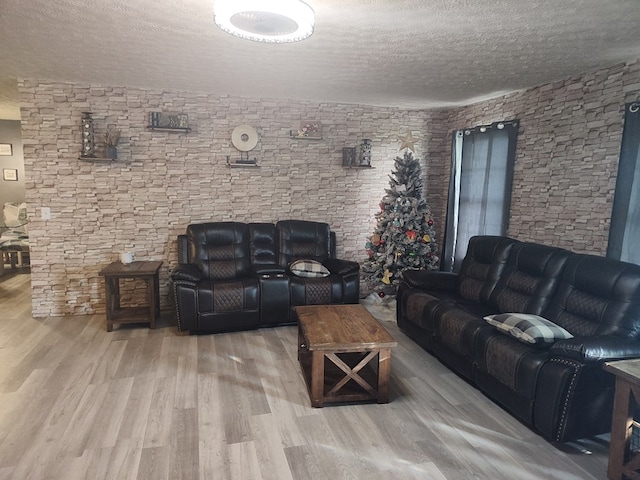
(404,237)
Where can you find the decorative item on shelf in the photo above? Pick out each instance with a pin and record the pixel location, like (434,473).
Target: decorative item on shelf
(88,138)
(310,130)
(245,139)
(111,139)
(168,121)
(365,153)
(348,156)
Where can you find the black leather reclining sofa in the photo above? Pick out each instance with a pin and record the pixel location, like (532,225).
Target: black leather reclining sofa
(558,388)
(240,276)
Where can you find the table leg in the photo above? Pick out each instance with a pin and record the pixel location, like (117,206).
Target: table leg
(620,429)
(110,295)
(152,284)
(317,378)
(384,372)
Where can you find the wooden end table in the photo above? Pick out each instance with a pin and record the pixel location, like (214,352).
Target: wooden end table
(622,461)
(344,353)
(147,271)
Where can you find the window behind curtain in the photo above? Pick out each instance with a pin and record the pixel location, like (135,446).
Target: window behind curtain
(480,187)
(624,234)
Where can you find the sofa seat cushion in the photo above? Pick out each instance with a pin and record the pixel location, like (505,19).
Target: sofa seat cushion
(457,326)
(420,307)
(316,291)
(509,361)
(232,296)
(528,328)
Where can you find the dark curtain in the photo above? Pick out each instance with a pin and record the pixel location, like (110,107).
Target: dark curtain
(624,233)
(480,187)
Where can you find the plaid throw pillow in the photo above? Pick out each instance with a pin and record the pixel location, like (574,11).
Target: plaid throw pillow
(309,269)
(528,328)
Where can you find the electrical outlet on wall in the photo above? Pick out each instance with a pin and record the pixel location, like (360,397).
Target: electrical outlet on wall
(45,213)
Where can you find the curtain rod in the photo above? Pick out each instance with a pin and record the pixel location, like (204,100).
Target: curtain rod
(485,128)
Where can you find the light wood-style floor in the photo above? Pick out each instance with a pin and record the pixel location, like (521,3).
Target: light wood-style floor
(77,402)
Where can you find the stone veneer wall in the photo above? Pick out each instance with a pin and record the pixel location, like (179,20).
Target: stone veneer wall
(564,179)
(567,154)
(164,181)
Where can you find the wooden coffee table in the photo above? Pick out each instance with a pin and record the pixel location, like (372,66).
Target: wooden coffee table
(345,354)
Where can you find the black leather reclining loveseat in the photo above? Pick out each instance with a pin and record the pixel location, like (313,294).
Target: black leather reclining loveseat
(558,388)
(240,276)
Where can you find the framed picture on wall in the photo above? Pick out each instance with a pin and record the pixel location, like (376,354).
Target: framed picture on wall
(6,149)
(10,174)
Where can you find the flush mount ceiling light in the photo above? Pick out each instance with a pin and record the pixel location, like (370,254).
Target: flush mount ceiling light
(272,21)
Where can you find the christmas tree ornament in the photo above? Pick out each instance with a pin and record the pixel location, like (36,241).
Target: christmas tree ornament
(386,278)
(381,294)
(375,239)
(411,235)
(426,238)
(430,222)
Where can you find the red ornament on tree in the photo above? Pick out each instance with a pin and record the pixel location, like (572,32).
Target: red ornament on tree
(381,294)
(430,223)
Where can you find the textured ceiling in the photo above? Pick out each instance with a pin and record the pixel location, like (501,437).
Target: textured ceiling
(405,53)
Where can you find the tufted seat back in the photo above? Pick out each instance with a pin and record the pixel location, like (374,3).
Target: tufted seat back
(597,296)
(220,250)
(482,266)
(300,239)
(530,278)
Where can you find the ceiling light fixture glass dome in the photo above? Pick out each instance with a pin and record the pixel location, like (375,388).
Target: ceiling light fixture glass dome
(271,21)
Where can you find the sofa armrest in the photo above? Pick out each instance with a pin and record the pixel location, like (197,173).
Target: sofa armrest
(596,349)
(430,280)
(187,271)
(341,267)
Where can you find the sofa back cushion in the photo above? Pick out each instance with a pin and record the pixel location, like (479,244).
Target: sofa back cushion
(219,249)
(302,240)
(597,296)
(530,278)
(482,266)
(262,244)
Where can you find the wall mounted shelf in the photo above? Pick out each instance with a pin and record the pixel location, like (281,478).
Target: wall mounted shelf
(358,166)
(97,159)
(170,129)
(296,137)
(242,165)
